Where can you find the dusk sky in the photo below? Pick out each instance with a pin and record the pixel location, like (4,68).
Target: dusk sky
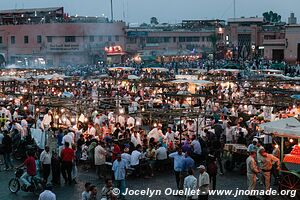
(170,11)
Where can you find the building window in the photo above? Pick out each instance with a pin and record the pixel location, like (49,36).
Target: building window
(174,39)
(70,39)
(12,39)
(117,38)
(166,39)
(192,39)
(49,39)
(0,39)
(92,39)
(131,40)
(100,38)
(26,40)
(181,39)
(109,38)
(154,40)
(39,39)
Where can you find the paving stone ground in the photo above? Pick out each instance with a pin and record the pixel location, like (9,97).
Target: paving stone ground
(163,180)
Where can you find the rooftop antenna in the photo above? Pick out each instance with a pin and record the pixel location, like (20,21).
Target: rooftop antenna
(124,10)
(111,10)
(234,10)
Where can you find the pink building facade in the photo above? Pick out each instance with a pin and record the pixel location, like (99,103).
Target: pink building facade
(60,43)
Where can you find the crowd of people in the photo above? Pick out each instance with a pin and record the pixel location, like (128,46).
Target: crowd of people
(118,145)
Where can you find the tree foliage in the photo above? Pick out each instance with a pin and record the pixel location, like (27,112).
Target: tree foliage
(271,17)
(154,21)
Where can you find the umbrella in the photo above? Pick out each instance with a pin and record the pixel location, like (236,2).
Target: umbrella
(296,96)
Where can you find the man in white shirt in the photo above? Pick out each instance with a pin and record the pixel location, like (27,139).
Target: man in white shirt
(16,114)
(161,156)
(170,137)
(47,194)
(91,130)
(67,138)
(24,124)
(228,133)
(18,127)
(156,133)
(135,157)
(45,159)
(190,184)
(47,119)
(191,128)
(131,120)
(126,156)
(100,158)
(203,182)
(97,120)
(121,120)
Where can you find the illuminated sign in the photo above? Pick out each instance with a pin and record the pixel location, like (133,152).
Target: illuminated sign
(114,50)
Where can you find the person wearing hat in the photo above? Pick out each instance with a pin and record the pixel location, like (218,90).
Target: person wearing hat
(47,194)
(252,171)
(267,162)
(253,145)
(203,183)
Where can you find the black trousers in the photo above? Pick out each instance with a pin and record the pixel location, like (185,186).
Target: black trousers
(66,170)
(213,180)
(46,171)
(180,179)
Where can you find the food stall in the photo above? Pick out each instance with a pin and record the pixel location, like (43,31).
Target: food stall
(288,128)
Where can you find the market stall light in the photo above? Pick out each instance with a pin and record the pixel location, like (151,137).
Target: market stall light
(121,111)
(276,146)
(56,116)
(25,107)
(72,119)
(155,124)
(62,110)
(86,119)
(143,109)
(37,109)
(291,140)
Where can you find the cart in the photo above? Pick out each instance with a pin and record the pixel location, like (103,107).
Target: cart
(235,157)
(290,163)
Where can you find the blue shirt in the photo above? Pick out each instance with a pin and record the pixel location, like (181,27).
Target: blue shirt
(188,163)
(119,168)
(197,147)
(178,161)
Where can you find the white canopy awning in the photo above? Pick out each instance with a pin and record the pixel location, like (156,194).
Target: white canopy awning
(121,69)
(133,77)
(161,69)
(289,127)
(197,82)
